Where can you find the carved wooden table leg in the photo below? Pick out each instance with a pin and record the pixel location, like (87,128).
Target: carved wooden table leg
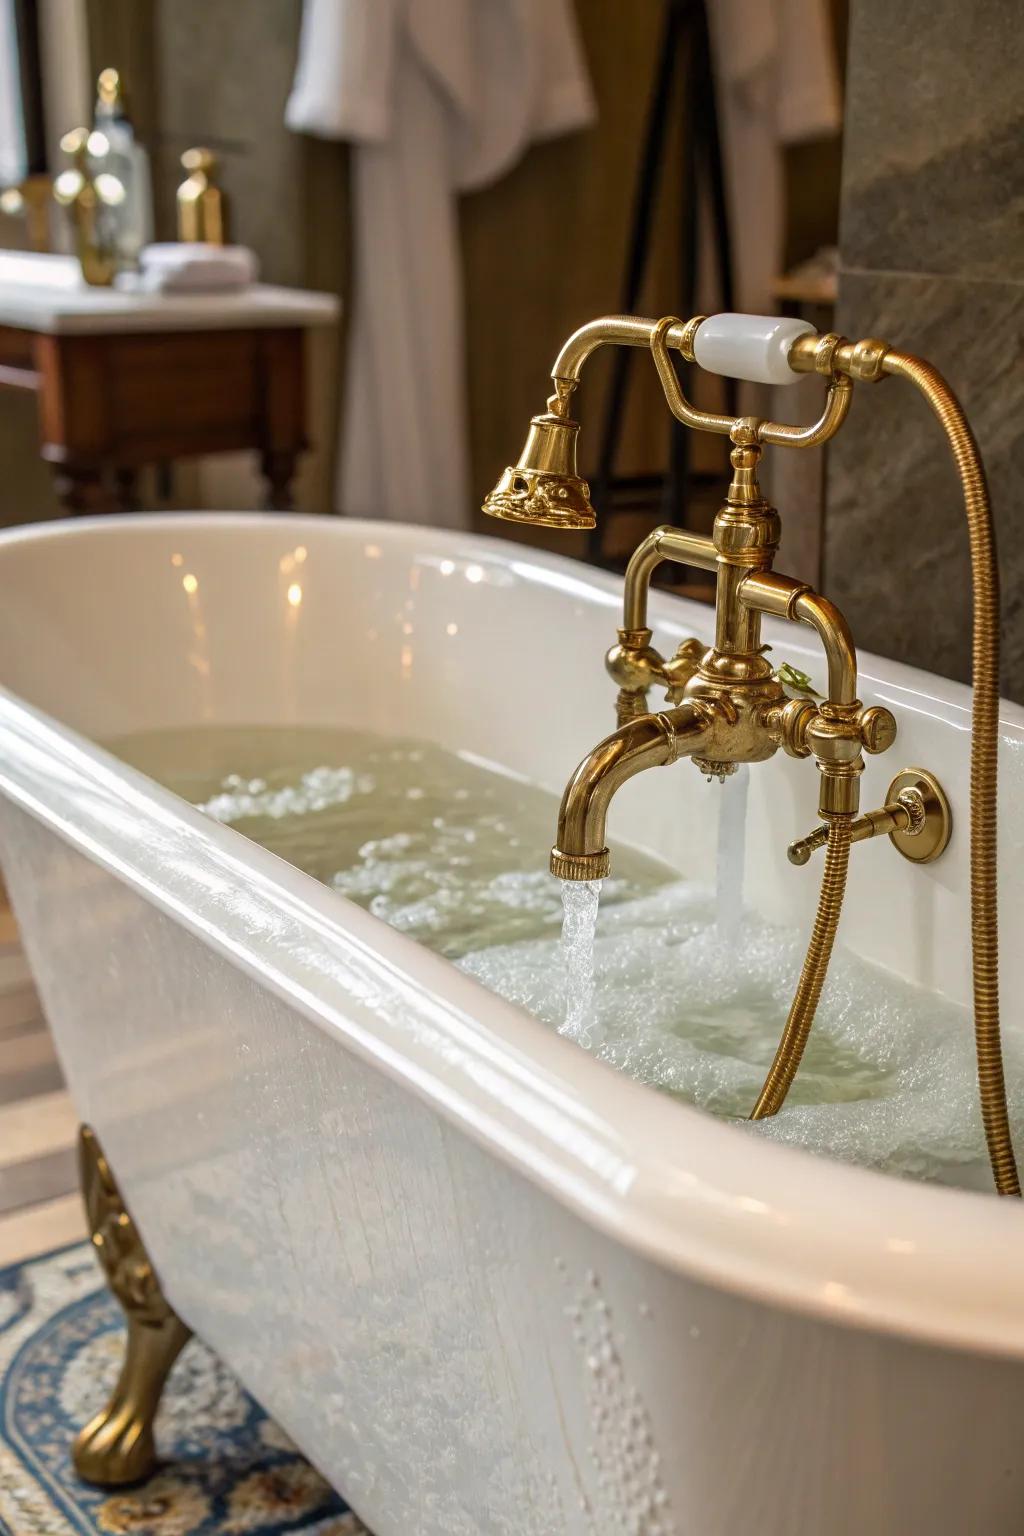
(126,484)
(79,488)
(279,471)
(117,1447)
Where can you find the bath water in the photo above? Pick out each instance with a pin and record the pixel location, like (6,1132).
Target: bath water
(453,852)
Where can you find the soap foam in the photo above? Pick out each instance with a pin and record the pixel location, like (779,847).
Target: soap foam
(888,1078)
(682,1002)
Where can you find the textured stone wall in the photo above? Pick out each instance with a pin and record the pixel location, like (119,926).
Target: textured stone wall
(932,259)
(223,73)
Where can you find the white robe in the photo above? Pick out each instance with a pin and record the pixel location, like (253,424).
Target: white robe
(439,97)
(12,126)
(776,85)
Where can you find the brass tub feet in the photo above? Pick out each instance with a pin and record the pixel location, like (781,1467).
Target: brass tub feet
(117,1447)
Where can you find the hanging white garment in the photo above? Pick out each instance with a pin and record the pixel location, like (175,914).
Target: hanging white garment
(438,96)
(776,85)
(12,126)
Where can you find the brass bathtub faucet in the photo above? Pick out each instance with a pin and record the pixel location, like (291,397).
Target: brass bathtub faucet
(725,703)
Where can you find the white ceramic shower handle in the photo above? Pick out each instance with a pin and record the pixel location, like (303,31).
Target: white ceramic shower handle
(751,347)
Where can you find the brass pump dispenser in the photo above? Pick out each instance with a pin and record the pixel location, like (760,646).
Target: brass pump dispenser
(202,210)
(89,200)
(110,91)
(727,704)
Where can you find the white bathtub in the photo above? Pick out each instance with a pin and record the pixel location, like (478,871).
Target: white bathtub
(487,1283)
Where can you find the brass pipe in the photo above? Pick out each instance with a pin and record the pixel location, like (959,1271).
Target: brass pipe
(682,410)
(650,741)
(622,331)
(781,596)
(834,633)
(771,593)
(863,360)
(984,755)
(896,817)
(812,977)
(837,403)
(665,543)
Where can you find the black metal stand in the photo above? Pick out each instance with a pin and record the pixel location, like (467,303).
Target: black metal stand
(685,70)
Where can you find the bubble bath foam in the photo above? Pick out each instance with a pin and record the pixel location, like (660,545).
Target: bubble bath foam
(452,851)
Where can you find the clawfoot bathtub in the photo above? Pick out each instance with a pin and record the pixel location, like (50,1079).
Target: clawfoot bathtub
(487,1283)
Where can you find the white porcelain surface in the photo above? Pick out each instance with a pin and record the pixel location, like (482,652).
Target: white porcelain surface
(486,1282)
(48,293)
(752,347)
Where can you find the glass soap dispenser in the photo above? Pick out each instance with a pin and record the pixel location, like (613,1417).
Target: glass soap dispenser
(114,143)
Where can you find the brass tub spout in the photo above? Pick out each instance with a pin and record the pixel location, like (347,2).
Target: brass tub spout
(651,741)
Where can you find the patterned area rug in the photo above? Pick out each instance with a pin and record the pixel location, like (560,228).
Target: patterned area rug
(229,1470)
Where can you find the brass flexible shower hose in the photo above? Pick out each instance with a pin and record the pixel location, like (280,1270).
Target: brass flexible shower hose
(984,755)
(812,977)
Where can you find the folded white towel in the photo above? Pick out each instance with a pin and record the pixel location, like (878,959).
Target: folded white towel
(181,267)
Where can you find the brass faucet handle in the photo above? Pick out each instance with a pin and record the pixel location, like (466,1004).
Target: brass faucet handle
(877,728)
(681,667)
(794,724)
(637,667)
(916,817)
(800,851)
(633,662)
(894,816)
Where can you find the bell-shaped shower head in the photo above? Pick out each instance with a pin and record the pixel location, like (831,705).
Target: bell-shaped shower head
(544,486)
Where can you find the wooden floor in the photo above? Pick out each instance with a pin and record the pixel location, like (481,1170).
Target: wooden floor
(40,1207)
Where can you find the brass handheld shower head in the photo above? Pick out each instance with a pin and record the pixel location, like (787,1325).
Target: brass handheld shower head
(545,487)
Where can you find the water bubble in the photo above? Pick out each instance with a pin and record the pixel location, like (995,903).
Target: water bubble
(658,984)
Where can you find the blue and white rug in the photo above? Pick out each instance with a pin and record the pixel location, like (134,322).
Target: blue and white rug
(228,1469)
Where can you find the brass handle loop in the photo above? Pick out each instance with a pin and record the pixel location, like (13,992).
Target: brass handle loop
(682,410)
(837,402)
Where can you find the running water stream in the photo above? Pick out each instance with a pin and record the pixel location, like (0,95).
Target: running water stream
(732,856)
(580,902)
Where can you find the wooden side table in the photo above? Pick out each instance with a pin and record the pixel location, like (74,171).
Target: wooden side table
(125,380)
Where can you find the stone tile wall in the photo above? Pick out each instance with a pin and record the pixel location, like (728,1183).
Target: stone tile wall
(932,259)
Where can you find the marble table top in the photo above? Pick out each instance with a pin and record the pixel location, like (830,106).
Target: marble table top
(61,303)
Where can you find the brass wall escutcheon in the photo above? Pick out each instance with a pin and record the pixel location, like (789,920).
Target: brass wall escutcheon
(924,841)
(916,818)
